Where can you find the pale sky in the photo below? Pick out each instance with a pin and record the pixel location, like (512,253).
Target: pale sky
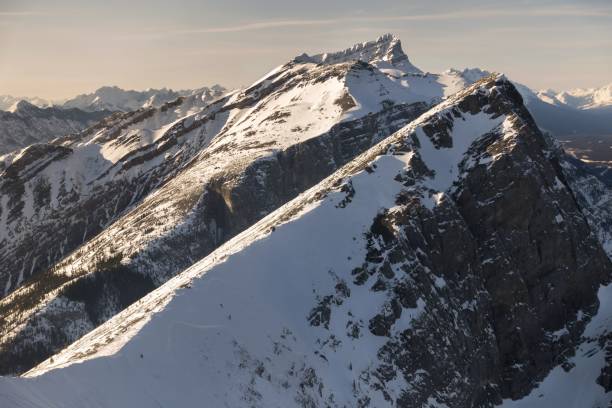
(59,48)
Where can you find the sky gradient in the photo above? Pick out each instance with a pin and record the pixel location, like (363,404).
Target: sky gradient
(57,49)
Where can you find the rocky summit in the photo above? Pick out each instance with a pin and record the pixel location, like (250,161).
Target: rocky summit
(348,231)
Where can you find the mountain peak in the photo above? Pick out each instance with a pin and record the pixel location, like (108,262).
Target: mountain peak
(108,88)
(471,75)
(22,106)
(384,52)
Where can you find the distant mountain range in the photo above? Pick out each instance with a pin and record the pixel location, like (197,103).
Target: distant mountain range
(113,98)
(580,118)
(34,120)
(9,103)
(580,98)
(26,124)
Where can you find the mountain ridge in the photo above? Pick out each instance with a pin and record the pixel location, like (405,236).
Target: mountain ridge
(114,98)
(282,135)
(402,215)
(384,52)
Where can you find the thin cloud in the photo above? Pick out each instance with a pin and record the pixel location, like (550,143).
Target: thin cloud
(20,13)
(459,15)
(259,26)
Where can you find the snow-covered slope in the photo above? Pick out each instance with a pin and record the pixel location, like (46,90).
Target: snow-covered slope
(113,98)
(180,179)
(447,266)
(26,124)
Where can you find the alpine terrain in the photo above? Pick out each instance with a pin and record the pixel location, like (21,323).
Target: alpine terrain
(25,124)
(581,119)
(348,231)
(182,179)
(115,99)
(33,120)
(8,102)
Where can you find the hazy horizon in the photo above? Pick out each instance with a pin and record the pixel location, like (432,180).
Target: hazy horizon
(70,48)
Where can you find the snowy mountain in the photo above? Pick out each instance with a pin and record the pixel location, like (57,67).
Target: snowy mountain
(113,98)
(8,102)
(26,124)
(34,120)
(347,231)
(385,53)
(455,263)
(184,178)
(580,98)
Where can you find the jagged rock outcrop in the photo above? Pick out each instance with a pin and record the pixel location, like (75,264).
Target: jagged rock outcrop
(384,53)
(452,264)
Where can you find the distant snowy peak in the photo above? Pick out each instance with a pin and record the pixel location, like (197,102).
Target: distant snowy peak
(453,80)
(25,123)
(21,107)
(470,75)
(8,102)
(27,108)
(457,79)
(116,99)
(580,98)
(385,52)
(113,98)
(207,94)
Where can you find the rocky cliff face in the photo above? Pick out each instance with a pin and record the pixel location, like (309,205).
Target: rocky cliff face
(455,263)
(180,179)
